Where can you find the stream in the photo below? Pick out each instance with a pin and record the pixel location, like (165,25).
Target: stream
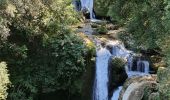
(100,88)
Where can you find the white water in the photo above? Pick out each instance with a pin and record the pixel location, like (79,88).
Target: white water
(101,90)
(143,66)
(119,50)
(101,79)
(116,94)
(88,4)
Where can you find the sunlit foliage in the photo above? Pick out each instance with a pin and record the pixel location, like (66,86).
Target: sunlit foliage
(42,53)
(4,81)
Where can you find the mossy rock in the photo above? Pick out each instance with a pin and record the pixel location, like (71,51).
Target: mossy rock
(117,73)
(94,25)
(102,29)
(139,87)
(157,62)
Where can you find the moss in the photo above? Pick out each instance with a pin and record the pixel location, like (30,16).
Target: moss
(117,73)
(89,74)
(149,93)
(91,48)
(102,29)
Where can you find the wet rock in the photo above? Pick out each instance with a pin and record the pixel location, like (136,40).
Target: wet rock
(156,62)
(117,74)
(94,25)
(79,26)
(86,13)
(136,87)
(109,47)
(112,27)
(101,30)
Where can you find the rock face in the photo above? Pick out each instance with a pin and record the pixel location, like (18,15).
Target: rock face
(139,88)
(117,74)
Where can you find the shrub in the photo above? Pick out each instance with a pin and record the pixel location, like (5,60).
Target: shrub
(4,81)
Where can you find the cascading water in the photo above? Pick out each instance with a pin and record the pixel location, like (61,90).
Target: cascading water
(143,66)
(100,87)
(116,94)
(88,4)
(112,49)
(101,79)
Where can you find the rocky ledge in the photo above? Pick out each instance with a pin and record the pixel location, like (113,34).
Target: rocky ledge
(139,88)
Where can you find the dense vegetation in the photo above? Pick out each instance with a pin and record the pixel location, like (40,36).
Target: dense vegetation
(147,30)
(4,79)
(40,55)
(43,54)
(147,24)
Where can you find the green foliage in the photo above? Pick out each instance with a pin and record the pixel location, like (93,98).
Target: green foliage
(3,3)
(4,81)
(147,25)
(143,20)
(42,53)
(101,29)
(4,33)
(149,92)
(163,78)
(101,7)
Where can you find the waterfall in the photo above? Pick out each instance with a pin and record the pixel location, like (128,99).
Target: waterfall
(116,94)
(88,4)
(114,49)
(143,66)
(130,63)
(118,49)
(100,87)
(111,48)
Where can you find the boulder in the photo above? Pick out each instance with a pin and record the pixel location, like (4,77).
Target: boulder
(101,29)
(117,74)
(138,87)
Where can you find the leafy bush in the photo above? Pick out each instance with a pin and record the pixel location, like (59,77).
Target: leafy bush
(43,54)
(4,81)
(143,20)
